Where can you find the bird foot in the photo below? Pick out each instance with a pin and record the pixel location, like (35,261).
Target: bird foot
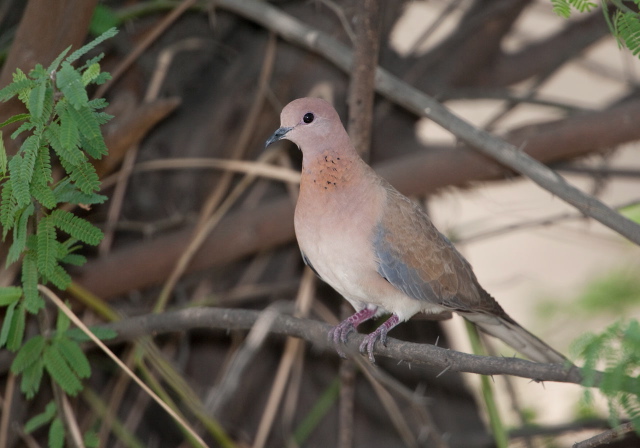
(339,334)
(369,342)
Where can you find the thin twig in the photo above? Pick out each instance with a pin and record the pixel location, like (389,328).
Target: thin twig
(606,437)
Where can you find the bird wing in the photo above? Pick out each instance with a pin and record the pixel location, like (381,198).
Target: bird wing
(421,262)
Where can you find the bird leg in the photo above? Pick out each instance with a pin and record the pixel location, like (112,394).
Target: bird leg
(380,333)
(340,332)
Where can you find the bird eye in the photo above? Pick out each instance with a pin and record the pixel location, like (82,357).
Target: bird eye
(308,117)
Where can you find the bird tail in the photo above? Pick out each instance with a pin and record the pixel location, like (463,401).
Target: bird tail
(510,332)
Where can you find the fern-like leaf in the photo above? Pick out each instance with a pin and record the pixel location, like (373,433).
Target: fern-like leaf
(41,419)
(91,45)
(74,259)
(69,135)
(69,154)
(90,73)
(31,377)
(9,294)
(59,277)
(89,128)
(32,300)
(7,209)
(30,352)
(16,334)
(57,61)
(20,235)
(74,355)
(66,191)
(85,177)
(56,434)
(36,102)
(70,84)
(562,8)
(15,88)
(60,370)
(627,26)
(46,246)
(7,322)
(26,126)
(77,227)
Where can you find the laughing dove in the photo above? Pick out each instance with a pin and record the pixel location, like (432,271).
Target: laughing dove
(376,247)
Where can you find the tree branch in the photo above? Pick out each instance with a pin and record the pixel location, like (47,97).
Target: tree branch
(316,333)
(420,104)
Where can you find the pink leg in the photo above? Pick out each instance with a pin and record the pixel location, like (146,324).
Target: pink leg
(380,333)
(340,332)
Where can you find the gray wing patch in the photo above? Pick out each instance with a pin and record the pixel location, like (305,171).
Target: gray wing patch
(403,277)
(308,263)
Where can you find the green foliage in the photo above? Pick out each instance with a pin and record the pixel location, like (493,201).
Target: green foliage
(60,119)
(617,349)
(623,22)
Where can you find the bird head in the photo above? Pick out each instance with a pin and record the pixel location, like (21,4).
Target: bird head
(308,122)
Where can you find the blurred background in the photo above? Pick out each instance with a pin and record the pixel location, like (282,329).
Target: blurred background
(198,87)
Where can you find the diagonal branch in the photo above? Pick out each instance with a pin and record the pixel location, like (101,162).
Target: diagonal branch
(420,104)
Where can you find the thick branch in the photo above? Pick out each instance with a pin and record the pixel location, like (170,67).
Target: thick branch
(417,102)
(316,333)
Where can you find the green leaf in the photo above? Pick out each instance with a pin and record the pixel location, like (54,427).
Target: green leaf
(89,128)
(26,126)
(9,294)
(44,195)
(17,117)
(8,209)
(69,135)
(74,259)
(6,323)
(628,29)
(65,191)
(46,246)
(74,355)
(32,300)
(56,434)
(16,334)
(101,333)
(84,175)
(31,377)
(62,324)
(20,235)
(3,158)
(41,419)
(77,227)
(91,45)
(562,8)
(36,101)
(59,277)
(30,352)
(70,154)
(56,62)
(60,371)
(70,84)
(16,87)
(97,104)
(90,73)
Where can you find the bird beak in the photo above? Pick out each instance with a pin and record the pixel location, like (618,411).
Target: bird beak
(278,135)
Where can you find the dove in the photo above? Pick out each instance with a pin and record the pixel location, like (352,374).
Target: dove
(375,246)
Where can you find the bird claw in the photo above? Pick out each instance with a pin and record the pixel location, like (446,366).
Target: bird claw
(339,334)
(369,342)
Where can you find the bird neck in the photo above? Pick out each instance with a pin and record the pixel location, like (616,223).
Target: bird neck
(330,171)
